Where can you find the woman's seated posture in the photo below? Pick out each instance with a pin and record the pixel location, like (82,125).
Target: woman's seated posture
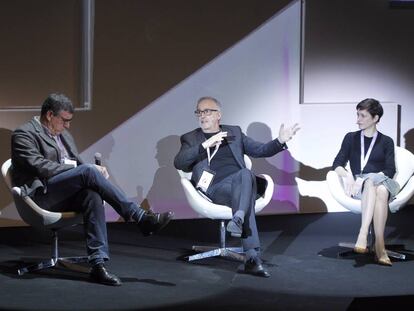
(371,158)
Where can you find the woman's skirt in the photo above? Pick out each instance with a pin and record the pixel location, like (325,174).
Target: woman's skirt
(379,179)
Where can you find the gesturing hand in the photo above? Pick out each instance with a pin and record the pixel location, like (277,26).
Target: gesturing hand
(214,140)
(286,134)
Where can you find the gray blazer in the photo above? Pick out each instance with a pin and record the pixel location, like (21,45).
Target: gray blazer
(36,156)
(193,158)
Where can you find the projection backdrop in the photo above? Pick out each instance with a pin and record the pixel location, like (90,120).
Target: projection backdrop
(257,81)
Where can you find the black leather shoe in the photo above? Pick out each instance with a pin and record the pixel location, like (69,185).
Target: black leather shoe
(235,227)
(151,222)
(99,274)
(256,268)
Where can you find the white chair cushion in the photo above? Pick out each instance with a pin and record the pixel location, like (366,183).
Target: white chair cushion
(404,161)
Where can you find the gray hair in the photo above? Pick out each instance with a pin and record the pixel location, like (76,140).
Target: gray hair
(56,103)
(209,98)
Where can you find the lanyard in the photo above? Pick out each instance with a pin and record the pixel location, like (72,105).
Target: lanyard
(209,158)
(364,159)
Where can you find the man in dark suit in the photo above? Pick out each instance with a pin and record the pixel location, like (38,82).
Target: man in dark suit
(214,154)
(47,167)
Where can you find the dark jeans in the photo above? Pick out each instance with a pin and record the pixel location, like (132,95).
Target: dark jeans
(239,192)
(83,189)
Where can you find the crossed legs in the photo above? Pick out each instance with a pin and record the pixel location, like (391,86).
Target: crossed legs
(374,207)
(239,192)
(82,189)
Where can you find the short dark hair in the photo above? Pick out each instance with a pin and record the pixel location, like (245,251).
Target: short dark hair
(209,98)
(373,106)
(57,103)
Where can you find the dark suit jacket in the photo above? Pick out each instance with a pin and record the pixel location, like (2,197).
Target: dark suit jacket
(36,156)
(193,158)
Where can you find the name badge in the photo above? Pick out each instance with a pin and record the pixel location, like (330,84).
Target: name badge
(205,180)
(70,162)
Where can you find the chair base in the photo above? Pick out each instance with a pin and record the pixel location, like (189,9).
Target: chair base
(234,253)
(390,253)
(68,262)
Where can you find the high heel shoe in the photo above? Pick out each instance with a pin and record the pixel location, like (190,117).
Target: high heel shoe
(360,250)
(362,239)
(383,261)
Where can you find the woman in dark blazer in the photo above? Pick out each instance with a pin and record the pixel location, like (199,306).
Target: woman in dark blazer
(371,158)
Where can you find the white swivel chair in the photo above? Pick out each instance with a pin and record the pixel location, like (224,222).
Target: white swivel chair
(205,208)
(404,161)
(34,215)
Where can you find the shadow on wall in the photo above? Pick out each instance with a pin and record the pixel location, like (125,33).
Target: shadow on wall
(110,213)
(166,192)
(409,140)
(409,145)
(286,179)
(5,153)
(105,151)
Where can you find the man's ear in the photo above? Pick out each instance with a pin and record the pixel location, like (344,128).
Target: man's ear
(49,115)
(376,118)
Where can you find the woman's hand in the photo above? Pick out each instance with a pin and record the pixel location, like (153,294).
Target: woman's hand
(357,186)
(349,183)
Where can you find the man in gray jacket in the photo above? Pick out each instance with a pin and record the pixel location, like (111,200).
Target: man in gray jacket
(47,167)
(214,153)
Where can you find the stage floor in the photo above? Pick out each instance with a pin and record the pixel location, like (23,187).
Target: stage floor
(300,251)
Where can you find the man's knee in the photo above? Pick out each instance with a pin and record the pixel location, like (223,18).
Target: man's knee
(88,170)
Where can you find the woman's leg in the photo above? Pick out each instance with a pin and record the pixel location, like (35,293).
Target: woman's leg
(367,211)
(380,218)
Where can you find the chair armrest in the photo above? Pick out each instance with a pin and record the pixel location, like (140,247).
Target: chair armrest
(338,193)
(403,196)
(201,205)
(265,199)
(32,213)
(215,211)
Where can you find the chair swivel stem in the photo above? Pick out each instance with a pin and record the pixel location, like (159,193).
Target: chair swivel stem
(55,254)
(222,234)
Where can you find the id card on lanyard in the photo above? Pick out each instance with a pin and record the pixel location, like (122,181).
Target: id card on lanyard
(207,175)
(365,158)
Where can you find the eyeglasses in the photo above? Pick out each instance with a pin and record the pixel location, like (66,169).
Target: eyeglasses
(64,120)
(206,112)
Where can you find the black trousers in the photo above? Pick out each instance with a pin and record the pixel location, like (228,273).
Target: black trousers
(239,192)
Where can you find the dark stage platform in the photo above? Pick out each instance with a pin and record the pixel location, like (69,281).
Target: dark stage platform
(300,252)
